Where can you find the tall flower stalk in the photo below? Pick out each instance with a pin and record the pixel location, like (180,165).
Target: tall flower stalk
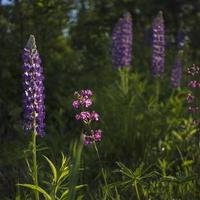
(122,37)
(158,45)
(176,74)
(33,99)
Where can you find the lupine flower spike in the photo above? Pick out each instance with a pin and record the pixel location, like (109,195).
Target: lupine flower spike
(158,56)
(82,102)
(122,37)
(176,73)
(33,89)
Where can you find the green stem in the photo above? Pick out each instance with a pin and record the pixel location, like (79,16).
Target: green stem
(157,89)
(124,78)
(35,168)
(136,189)
(100,163)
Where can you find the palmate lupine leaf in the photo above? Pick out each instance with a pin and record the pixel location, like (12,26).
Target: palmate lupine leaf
(179,180)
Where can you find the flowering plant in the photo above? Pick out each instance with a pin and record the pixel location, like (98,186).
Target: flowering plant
(82,102)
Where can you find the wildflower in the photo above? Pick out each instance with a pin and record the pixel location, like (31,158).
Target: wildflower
(94,116)
(33,101)
(176,73)
(122,42)
(193,84)
(158,56)
(86,140)
(193,70)
(76,104)
(85,115)
(86,93)
(98,135)
(87,102)
(77,117)
(83,100)
(190,98)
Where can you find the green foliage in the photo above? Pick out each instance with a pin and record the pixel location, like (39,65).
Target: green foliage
(144,123)
(62,182)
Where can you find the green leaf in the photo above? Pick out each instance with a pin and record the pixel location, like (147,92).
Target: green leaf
(64,194)
(177,135)
(64,175)
(37,188)
(53,169)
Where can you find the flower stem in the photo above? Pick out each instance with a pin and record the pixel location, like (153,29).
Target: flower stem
(136,189)
(35,167)
(95,146)
(157,89)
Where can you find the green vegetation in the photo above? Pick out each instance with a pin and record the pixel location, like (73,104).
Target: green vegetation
(150,148)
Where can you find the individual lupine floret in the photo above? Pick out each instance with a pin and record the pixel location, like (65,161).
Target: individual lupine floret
(33,96)
(176,75)
(86,116)
(158,42)
(122,38)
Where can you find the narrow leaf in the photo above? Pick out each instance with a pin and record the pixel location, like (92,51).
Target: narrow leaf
(37,188)
(53,169)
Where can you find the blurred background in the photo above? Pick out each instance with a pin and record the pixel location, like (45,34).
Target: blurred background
(74,41)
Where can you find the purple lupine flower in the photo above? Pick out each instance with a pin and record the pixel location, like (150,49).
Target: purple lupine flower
(176,73)
(33,101)
(122,37)
(158,43)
